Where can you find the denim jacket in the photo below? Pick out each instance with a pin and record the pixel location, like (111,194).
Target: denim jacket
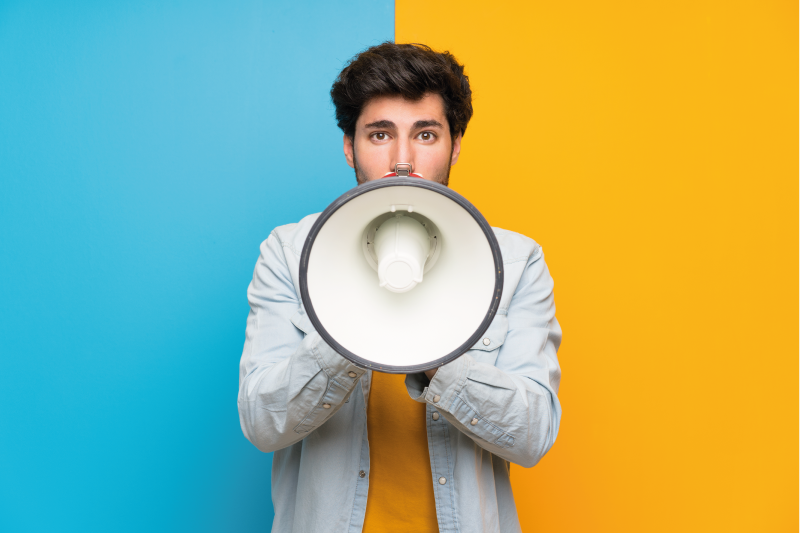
(497,404)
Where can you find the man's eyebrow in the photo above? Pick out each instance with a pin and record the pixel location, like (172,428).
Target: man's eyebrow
(427,124)
(388,124)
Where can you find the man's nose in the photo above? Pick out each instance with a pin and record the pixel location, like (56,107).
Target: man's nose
(403,153)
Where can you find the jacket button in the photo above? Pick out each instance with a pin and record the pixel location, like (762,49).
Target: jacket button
(435,416)
(326,405)
(473,421)
(486,341)
(352,374)
(362,474)
(436,398)
(442,480)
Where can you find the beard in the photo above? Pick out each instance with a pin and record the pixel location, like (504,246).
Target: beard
(440,176)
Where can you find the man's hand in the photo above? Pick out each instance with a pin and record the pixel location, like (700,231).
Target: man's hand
(431,373)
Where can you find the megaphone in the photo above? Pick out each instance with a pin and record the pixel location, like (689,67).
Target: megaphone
(401,275)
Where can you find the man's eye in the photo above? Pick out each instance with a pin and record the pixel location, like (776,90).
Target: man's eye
(379,136)
(427,136)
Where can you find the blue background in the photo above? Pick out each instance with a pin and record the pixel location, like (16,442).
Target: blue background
(146,149)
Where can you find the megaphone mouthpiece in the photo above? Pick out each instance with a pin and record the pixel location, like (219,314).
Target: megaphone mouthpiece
(402,246)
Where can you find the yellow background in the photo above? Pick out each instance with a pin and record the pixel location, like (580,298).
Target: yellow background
(651,148)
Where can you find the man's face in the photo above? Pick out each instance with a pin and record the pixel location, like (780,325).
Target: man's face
(393,130)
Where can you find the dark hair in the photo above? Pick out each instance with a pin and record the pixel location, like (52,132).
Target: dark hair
(407,70)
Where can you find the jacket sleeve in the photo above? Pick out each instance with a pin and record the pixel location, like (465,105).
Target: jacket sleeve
(289,383)
(510,408)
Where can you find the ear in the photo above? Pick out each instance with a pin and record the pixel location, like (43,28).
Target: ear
(348,151)
(456,150)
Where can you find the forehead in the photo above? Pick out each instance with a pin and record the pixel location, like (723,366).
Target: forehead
(401,111)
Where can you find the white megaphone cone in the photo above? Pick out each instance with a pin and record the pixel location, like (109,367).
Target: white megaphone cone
(362,269)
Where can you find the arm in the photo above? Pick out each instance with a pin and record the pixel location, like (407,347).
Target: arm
(288,384)
(511,408)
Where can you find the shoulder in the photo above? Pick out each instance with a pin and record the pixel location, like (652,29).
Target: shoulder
(281,250)
(292,236)
(526,275)
(516,247)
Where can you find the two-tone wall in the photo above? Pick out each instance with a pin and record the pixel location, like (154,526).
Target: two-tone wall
(146,149)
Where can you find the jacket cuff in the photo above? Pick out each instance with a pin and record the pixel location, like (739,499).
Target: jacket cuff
(343,376)
(445,385)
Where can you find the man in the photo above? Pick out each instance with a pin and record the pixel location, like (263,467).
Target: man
(361,450)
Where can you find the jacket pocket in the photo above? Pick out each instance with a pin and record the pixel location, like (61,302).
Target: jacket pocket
(485,350)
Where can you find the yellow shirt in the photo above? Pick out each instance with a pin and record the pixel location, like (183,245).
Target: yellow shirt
(400,481)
